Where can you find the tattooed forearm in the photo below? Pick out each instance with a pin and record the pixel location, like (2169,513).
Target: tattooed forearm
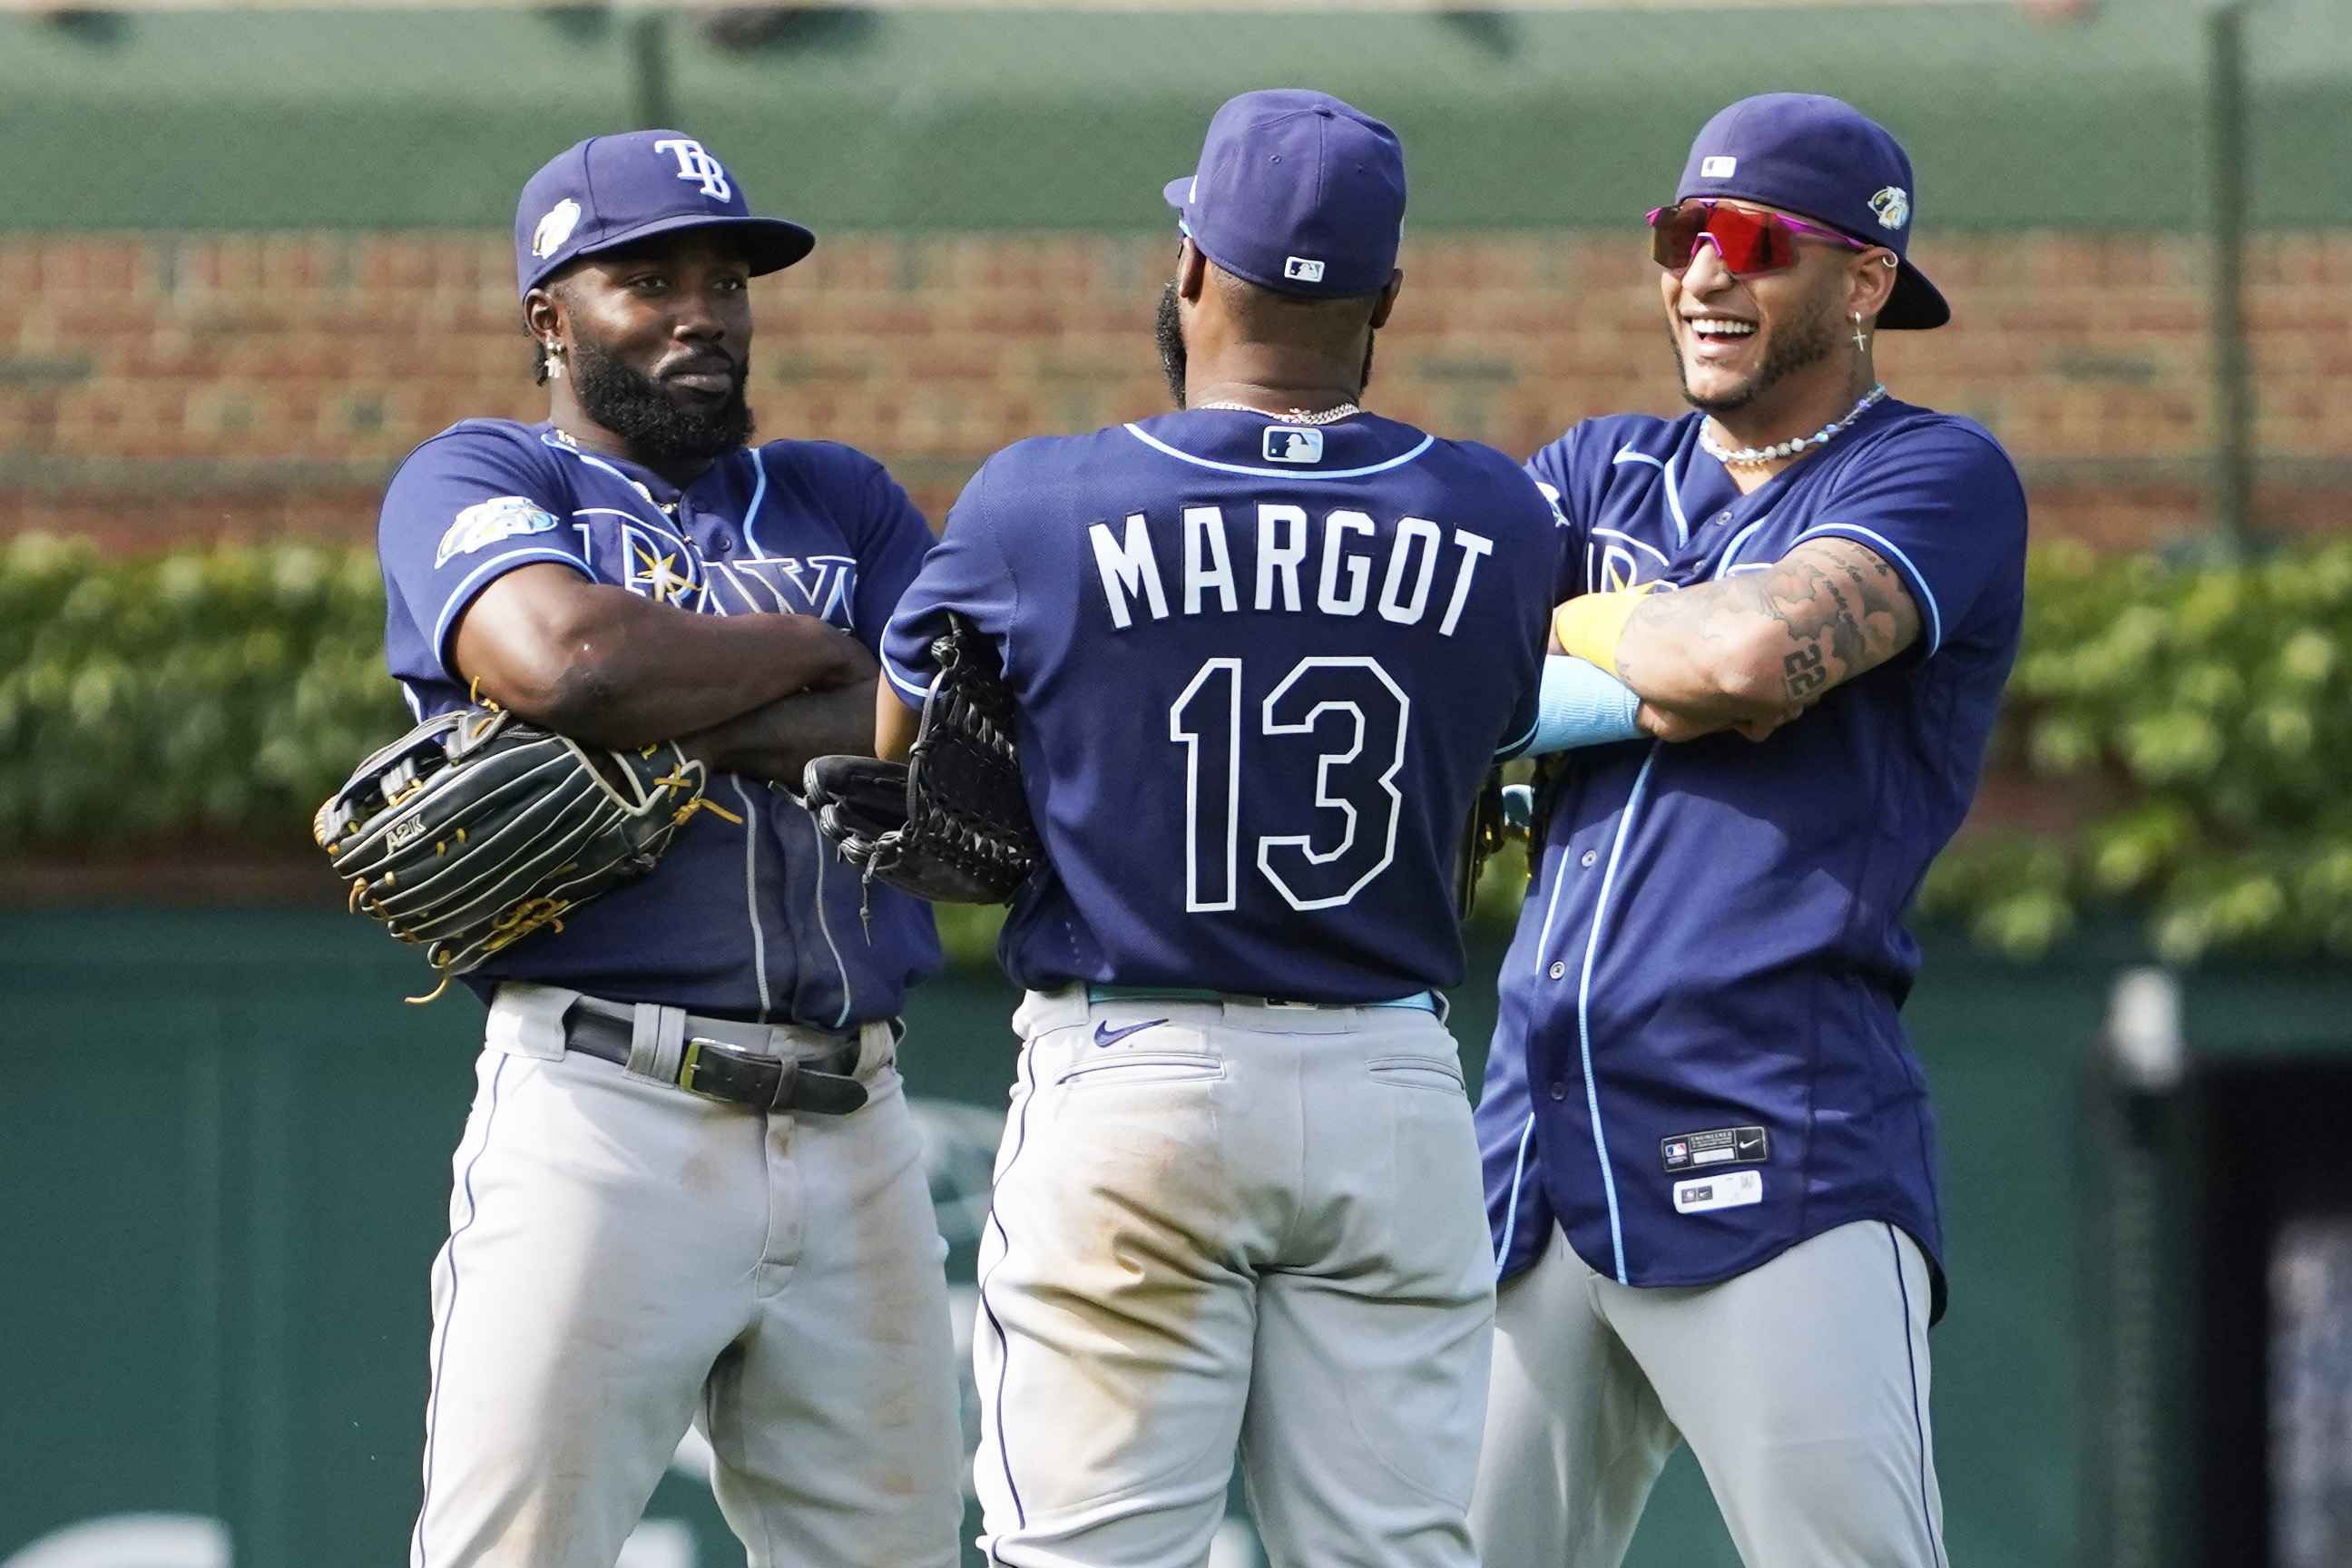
(1765,644)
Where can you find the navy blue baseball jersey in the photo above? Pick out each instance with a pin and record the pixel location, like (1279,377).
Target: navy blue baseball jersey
(1699,1061)
(757,921)
(1261,668)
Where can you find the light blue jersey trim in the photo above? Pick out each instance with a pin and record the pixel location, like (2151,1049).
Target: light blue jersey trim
(825,923)
(751,512)
(1158,446)
(752,896)
(1673,487)
(551,444)
(1738,543)
(463,594)
(1511,1215)
(1584,1009)
(907,688)
(1880,542)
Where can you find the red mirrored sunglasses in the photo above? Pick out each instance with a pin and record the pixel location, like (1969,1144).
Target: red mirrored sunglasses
(1749,242)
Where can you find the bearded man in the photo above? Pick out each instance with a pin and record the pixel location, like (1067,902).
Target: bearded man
(1709,1156)
(691,1190)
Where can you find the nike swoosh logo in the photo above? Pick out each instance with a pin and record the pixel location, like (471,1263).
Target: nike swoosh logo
(1107,1036)
(1749,1145)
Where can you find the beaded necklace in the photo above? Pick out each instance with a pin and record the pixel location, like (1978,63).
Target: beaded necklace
(1756,456)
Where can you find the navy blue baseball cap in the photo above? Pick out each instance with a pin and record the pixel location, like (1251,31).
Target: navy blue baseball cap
(612,191)
(1296,193)
(1824,160)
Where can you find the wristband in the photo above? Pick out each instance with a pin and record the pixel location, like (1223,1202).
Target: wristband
(1591,625)
(1581,705)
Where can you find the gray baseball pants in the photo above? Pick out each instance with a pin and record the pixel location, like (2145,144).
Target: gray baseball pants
(1222,1224)
(1801,1385)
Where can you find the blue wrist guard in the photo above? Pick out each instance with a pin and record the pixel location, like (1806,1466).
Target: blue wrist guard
(1582,704)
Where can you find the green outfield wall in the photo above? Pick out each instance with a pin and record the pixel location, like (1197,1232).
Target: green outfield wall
(910,120)
(224,1171)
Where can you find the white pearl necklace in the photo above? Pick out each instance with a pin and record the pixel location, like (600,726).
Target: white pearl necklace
(1753,456)
(1291,416)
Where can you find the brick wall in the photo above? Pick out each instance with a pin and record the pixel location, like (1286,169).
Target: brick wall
(154,387)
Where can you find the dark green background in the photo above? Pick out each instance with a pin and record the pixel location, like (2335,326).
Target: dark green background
(917,121)
(224,1171)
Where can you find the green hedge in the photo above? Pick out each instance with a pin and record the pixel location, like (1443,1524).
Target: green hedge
(215,693)
(2188,728)
(2192,725)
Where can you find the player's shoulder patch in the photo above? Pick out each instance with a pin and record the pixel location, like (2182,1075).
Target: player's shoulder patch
(486,522)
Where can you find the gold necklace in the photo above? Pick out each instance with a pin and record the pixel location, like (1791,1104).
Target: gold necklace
(1291,416)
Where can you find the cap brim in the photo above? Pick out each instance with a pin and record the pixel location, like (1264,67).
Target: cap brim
(1914,305)
(1178,194)
(770,244)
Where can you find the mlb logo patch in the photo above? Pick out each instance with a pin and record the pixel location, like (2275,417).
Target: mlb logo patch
(1289,444)
(1302,270)
(1718,168)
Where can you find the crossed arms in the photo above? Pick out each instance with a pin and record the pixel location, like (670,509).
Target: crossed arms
(1753,650)
(757,694)
(762,694)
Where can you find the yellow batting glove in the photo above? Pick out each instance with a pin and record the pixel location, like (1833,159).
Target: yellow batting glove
(1591,625)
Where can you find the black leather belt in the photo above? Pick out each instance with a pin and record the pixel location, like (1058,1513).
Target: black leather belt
(822,1085)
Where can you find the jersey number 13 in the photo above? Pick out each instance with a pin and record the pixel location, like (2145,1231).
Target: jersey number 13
(1366,710)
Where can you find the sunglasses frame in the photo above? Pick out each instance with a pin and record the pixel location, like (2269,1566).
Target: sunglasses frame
(1767,221)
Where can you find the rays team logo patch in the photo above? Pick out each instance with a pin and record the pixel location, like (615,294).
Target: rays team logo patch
(1289,444)
(1893,206)
(555,228)
(486,522)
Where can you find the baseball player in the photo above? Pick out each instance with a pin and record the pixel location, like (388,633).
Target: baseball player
(689,1190)
(1263,650)
(1710,1162)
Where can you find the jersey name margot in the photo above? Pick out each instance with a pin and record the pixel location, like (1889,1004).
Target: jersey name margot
(1278,543)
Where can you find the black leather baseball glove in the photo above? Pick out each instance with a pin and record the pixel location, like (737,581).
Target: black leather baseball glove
(476,829)
(950,823)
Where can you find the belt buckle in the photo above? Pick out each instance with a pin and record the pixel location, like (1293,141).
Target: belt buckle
(719,1064)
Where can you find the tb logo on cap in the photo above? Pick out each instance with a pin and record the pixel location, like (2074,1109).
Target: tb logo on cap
(693,164)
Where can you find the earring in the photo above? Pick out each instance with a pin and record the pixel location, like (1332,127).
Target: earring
(1861,343)
(555,361)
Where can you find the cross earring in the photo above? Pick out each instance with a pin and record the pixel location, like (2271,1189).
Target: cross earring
(555,361)
(1861,343)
